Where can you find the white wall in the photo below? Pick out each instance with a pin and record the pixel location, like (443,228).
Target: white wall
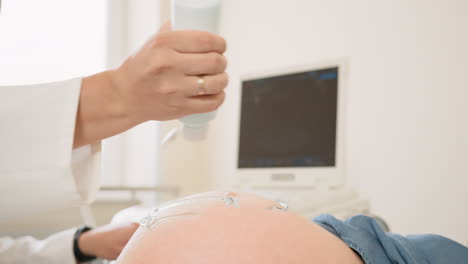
(42,41)
(407,130)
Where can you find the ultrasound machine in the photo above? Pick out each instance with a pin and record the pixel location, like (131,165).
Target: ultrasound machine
(291,139)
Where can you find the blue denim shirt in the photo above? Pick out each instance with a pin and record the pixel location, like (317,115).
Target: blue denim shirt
(365,236)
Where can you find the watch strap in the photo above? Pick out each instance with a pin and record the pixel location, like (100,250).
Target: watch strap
(80,256)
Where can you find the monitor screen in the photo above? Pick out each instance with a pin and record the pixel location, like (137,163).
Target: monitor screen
(289,120)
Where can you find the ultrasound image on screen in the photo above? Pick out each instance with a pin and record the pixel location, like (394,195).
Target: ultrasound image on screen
(289,121)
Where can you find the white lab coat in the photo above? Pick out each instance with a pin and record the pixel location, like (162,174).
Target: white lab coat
(39,171)
(56,249)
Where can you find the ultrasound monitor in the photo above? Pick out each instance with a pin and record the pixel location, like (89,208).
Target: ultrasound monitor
(291,125)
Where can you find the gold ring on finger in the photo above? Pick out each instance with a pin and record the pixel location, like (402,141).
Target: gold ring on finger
(201,86)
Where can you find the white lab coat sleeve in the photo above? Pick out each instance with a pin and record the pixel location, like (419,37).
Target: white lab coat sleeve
(56,249)
(39,171)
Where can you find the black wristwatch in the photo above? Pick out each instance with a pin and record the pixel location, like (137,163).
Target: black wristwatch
(80,257)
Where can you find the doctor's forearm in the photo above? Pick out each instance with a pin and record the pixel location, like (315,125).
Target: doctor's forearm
(100,112)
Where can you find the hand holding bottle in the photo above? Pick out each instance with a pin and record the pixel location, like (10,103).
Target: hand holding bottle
(160,82)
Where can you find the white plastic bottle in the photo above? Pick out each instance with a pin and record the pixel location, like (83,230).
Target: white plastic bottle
(200,15)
